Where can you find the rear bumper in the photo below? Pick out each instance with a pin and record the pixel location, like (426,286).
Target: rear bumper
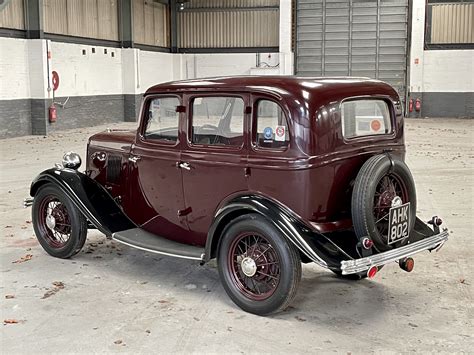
(363,264)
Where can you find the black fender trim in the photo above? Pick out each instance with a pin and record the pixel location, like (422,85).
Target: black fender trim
(91,198)
(317,247)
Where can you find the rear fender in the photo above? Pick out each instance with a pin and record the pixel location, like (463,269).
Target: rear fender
(91,198)
(317,247)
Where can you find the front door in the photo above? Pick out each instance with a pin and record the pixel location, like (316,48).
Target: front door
(156,182)
(215,156)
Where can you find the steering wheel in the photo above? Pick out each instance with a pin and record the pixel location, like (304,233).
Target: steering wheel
(208,127)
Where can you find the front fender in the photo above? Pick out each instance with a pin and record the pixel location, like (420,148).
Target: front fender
(317,247)
(91,198)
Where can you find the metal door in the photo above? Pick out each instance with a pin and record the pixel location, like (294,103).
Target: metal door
(354,37)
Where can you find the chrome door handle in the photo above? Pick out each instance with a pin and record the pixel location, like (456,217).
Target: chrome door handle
(134,158)
(182,165)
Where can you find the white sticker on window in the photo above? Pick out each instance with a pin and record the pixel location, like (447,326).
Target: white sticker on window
(280,133)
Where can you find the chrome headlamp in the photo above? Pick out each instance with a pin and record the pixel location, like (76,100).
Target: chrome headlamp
(71,160)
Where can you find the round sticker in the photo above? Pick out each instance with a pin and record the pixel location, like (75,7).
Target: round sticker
(268,133)
(375,125)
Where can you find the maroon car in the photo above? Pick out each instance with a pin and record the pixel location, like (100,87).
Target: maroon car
(262,173)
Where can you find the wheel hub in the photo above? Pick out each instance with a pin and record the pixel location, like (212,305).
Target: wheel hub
(50,222)
(397,201)
(249,267)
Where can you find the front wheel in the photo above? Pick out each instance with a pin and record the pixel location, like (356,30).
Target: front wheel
(260,270)
(60,227)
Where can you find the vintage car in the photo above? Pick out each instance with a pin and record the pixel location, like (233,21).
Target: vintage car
(261,173)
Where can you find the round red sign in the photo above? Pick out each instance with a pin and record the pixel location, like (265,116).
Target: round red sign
(55,80)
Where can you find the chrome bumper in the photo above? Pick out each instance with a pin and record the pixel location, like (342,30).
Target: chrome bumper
(27,202)
(363,264)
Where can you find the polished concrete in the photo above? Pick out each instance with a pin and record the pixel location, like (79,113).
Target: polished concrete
(117,299)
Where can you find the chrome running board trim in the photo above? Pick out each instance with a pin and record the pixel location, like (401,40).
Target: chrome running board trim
(363,264)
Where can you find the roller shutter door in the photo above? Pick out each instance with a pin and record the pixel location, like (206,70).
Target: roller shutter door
(356,38)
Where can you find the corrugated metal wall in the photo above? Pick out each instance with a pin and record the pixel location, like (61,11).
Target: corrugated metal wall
(452,23)
(150,23)
(82,18)
(227,24)
(354,37)
(12,16)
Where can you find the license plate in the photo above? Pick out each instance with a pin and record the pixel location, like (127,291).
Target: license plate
(399,220)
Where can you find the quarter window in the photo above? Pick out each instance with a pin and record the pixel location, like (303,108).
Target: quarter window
(218,121)
(365,117)
(272,128)
(163,120)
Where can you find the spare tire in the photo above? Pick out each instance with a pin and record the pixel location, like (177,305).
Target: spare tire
(382,183)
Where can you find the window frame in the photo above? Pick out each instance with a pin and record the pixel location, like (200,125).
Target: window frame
(391,112)
(189,120)
(427,35)
(254,127)
(144,121)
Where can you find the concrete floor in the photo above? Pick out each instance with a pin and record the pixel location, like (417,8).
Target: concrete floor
(117,299)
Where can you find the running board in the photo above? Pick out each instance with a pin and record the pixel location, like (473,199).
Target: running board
(143,240)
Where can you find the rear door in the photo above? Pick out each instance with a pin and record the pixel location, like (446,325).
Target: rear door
(214,156)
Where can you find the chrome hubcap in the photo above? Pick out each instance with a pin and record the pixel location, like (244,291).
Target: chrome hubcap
(50,222)
(397,201)
(249,267)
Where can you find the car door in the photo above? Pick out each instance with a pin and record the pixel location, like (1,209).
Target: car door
(214,156)
(155,181)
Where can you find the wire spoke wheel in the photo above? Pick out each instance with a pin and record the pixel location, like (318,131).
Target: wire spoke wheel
(390,191)
(60,227)
(254,266)
(259,268)
(383,182)
(54,222)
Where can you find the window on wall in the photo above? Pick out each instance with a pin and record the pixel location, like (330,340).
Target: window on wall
(449,24)
(163,120)
(218,121)
(272,128)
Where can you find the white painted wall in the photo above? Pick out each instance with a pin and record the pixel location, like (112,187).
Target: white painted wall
(223,64)
(155,67)
(14,73)
(90,74)
(448,71)
(286,59)
(437,70)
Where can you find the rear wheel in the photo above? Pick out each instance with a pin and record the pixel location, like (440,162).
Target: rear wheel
(382,183)
(60,227)
(260,270)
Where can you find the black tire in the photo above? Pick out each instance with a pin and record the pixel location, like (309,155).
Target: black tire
(281,262)
(68,235)
(377,172)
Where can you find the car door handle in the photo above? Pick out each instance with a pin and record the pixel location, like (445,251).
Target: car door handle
(183,165)
(134,158)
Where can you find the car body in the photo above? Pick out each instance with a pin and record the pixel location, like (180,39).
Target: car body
(288,168)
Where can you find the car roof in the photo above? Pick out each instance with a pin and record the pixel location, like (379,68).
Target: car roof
(276,84)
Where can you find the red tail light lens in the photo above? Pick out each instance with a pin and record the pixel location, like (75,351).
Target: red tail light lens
(372,272)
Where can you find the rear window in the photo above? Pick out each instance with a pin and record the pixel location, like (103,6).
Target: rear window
(365,118)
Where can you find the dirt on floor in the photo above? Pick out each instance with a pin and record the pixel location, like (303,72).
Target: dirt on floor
(111,298)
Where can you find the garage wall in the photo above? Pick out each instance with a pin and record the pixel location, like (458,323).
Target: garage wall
(14,69)
(442,79)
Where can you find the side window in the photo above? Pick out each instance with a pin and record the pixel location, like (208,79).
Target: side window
(365,117)
(272,128)
(162,119)
(218,121)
